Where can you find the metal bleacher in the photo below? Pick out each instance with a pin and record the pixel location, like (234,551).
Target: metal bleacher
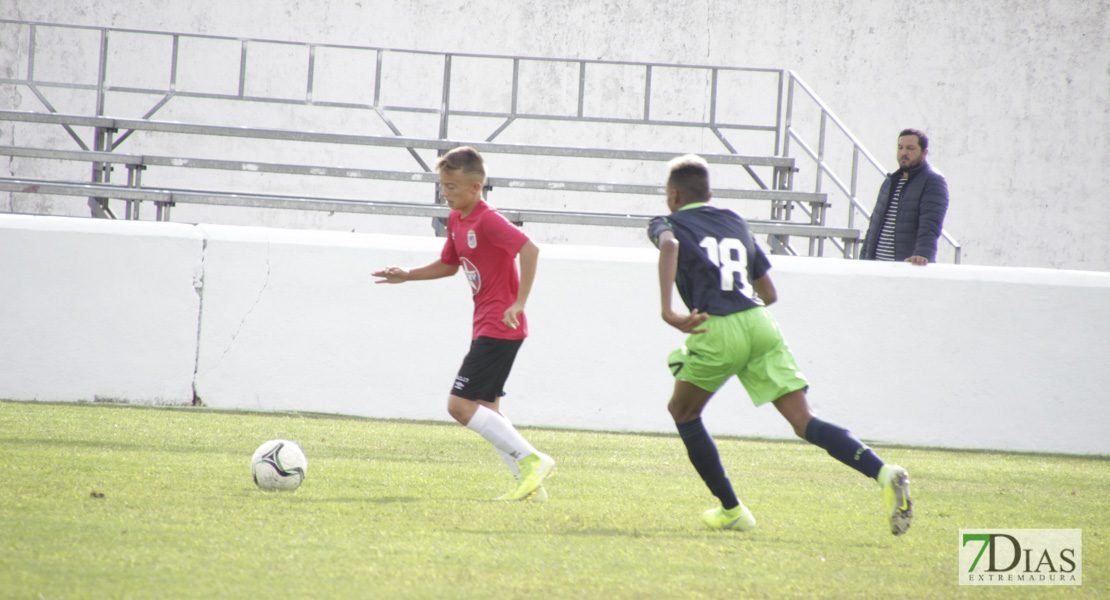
(648,118)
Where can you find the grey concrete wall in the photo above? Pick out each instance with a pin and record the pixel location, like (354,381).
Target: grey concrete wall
(1016,96)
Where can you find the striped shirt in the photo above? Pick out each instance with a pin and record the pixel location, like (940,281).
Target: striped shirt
(884,250)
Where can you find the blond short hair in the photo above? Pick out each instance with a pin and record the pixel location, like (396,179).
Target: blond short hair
(689,175)
(465,159)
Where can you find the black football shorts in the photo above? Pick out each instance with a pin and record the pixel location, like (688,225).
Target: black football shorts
(485,369)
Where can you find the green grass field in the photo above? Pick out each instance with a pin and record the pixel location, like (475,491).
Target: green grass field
(102,501)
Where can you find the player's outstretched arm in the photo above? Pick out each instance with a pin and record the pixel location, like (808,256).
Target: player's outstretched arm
(529,259)
(668,268)
(434,270)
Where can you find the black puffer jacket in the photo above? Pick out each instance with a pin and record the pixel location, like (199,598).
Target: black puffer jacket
(920,214)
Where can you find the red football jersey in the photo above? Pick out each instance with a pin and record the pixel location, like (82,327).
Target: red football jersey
(485,244)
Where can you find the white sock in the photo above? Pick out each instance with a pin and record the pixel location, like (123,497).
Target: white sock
(512,463)
(499,432)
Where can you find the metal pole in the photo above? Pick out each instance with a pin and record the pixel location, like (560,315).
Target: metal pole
(311,72)
(581,87)
(243,68)
(820,152)
(853,187)
(101,138)
(378,81)
(439,224)
(446,99)
(516,84)
(788,122)
(173,64)
(778,114)
(31,54)
(713,99)
(820,170)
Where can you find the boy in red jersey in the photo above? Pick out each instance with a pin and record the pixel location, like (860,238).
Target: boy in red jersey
(485,244)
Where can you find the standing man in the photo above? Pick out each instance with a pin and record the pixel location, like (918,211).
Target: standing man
(909,212)
(722,276)
(486,244)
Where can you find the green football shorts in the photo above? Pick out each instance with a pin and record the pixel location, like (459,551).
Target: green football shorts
(747,344)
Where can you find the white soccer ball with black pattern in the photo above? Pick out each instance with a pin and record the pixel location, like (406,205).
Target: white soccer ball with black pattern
(279,466)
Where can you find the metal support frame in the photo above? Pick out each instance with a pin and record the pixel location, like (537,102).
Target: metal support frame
(131,161)
(781,173)
(168,198)
(101,172)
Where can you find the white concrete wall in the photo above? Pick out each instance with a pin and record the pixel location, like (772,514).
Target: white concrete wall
(98,310)
(1015,95)
(962,357)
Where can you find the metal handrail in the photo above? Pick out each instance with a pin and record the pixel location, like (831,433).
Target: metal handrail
(858,149)
(445,109)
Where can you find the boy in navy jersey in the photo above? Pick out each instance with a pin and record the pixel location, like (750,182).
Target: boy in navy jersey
(485,244)
(722,278)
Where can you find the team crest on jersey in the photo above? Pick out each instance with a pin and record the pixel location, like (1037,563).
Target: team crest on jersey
(473,277)
(471,239)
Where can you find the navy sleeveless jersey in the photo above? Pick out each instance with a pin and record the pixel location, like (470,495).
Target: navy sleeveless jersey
(717,258)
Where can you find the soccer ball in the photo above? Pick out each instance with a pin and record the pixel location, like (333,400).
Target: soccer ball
(278,466)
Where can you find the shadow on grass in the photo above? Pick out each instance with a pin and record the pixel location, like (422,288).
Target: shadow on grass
(693,535)
(82,444)
(393,456)
(120,446)
(788,440)
(359,500)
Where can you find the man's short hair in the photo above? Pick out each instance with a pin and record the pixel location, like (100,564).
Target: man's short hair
(922,139)
(465,159)
(690,176)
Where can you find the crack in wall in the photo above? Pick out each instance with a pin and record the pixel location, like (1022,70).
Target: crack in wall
(708,29)
(198,283)
(257,299)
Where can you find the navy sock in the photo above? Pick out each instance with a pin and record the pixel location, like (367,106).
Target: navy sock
(706,460)
(843,446)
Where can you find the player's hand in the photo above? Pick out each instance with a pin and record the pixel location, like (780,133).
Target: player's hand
(511,315)
(686,323)
(392,275)
(917,260)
